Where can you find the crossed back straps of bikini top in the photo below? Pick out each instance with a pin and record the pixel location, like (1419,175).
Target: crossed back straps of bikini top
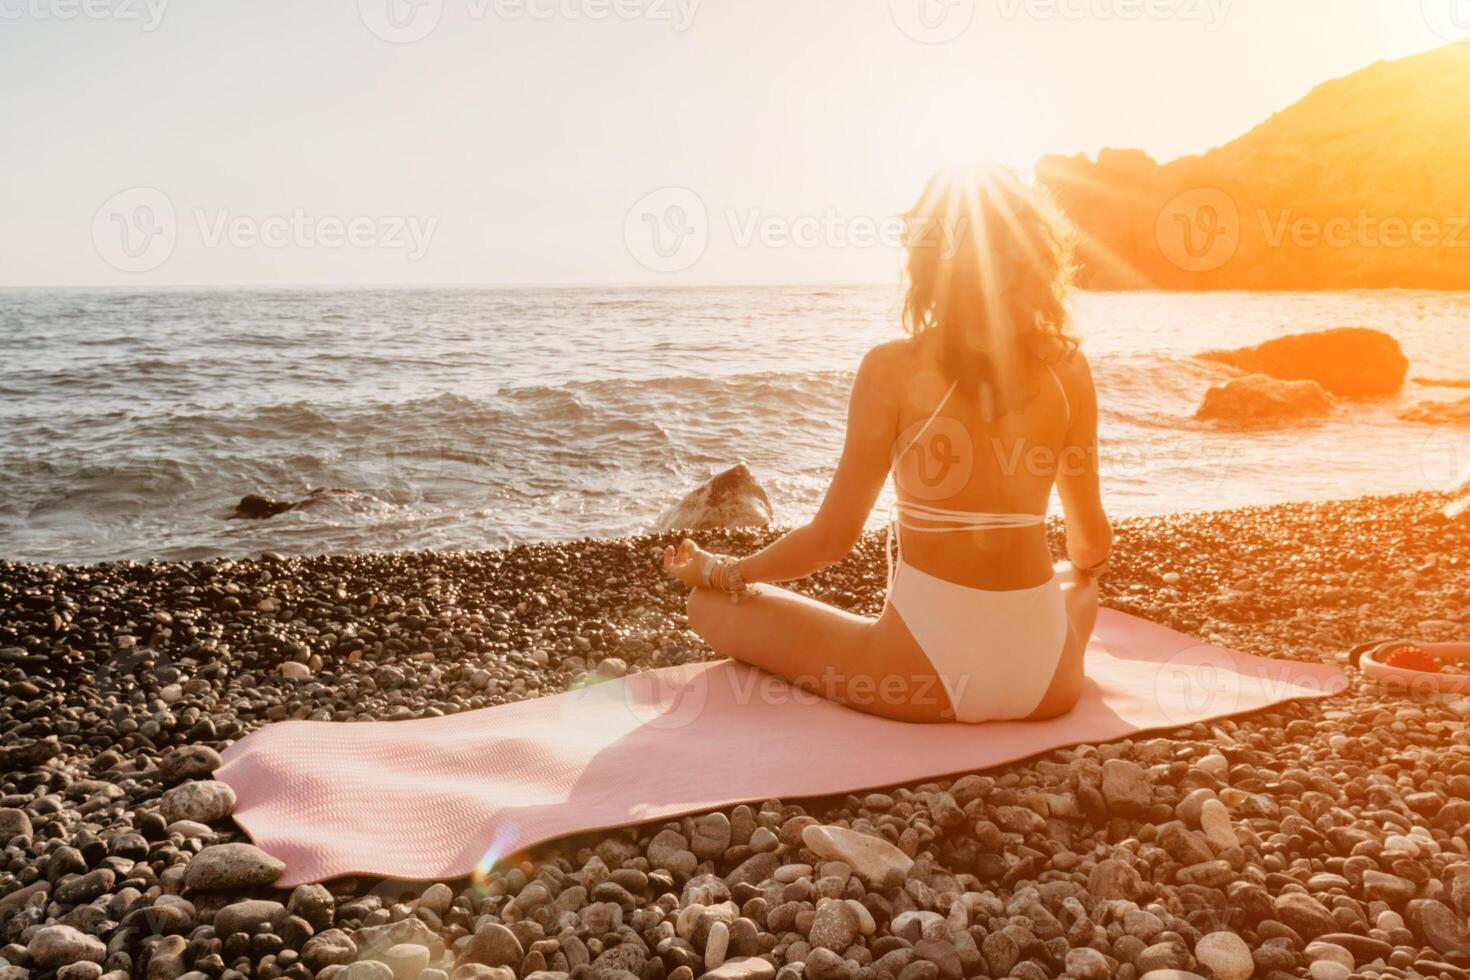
(939,520)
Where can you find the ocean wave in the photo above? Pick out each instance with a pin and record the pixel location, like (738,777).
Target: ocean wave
(131,422)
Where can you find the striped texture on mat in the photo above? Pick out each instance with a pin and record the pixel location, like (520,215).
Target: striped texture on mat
(432,798)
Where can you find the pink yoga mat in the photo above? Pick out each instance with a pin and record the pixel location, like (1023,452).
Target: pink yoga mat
(433,798)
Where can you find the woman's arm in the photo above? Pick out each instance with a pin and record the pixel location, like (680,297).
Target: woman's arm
(1089,535)
(872,419)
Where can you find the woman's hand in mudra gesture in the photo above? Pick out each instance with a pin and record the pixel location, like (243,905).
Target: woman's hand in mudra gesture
(687,564)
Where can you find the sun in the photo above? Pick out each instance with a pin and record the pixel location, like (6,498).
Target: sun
(946,132)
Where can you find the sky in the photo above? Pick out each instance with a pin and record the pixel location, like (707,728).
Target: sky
(404,142)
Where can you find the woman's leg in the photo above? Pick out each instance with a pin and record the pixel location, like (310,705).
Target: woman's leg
(866,664)
(1079,595)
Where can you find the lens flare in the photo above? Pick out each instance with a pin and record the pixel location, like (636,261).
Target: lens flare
(497,854)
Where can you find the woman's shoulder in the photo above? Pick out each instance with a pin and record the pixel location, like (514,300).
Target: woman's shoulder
(892,358)
(1070,364)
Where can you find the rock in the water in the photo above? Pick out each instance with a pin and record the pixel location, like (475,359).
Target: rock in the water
(201,801)
(222,866)
(732,499)
(1353,362)
(1256,399)
(60,945)
(1226,955)
(1439,413)
(871,858)
(254,507)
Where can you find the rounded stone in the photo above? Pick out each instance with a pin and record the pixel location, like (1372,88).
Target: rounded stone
(225,866)
(201,801)
(366,970)
(60,945)
(1226,955)
(406,960)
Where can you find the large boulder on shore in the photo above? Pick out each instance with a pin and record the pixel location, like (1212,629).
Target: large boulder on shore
(733,498)
(1353,362)
(1256,400)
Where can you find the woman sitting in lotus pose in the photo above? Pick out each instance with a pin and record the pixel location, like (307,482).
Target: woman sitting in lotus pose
(978,413)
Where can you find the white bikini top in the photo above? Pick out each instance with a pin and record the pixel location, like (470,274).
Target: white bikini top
(940,520)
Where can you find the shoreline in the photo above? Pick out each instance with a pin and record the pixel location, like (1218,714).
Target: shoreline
(122,680)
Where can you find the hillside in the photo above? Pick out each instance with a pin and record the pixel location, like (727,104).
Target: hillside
(1365,183)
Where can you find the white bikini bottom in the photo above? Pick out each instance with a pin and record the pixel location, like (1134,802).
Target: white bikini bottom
(996,653)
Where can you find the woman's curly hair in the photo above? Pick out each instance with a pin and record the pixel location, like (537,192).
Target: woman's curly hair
(990,266)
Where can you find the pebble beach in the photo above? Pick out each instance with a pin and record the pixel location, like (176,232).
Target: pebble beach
(1328,839)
